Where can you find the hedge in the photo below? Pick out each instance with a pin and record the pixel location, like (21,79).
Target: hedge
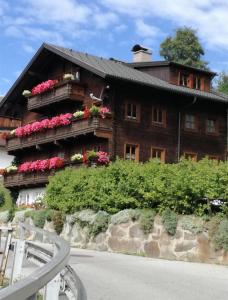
(187,187)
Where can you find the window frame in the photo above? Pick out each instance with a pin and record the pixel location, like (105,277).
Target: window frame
(137,149)
(164,116)
(197,78)
(195,129)
(183,73)
(163,154)
(138,111)
(216,132)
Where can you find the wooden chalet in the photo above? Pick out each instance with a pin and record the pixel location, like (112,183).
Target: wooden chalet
(159,110)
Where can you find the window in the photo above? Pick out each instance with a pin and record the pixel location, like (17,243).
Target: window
(211,126)
(131,152)
(190,122)
(132,111)
(158,153)
(158,116)
(183,79)
(196,82)
(190,156)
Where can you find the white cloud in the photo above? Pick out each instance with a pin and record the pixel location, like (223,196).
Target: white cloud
(208,16)
(104,20)
(145,30)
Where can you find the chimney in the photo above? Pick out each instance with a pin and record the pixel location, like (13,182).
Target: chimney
(141,53)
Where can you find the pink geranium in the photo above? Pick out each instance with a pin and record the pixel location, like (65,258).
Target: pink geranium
(56,162)
(104,111)
(27,129)
(36,126)
(25,167)
(103,158)
(44,123)
(19,132)
(44,165)
(43,87)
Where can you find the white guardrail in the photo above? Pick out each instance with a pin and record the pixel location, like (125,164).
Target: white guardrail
(54,276)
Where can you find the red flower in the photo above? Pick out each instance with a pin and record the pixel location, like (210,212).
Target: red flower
(86,112)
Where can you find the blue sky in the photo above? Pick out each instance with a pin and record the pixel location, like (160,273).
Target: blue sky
(107,28)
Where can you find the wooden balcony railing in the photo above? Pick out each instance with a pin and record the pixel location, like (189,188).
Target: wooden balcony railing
(97,126)
(16,180)
(70,90)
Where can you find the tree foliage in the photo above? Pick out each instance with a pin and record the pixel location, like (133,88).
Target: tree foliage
(184,48)
(222,82)
(186,188)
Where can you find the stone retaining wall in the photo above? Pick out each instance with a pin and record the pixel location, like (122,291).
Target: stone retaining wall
(188,244)
(129,238)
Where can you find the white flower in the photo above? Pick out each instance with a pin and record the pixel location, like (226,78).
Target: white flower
(11,168)
(77,157)
(26,93)
(68,76)
(78,114)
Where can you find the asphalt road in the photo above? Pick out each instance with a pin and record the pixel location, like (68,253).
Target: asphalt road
(109,276)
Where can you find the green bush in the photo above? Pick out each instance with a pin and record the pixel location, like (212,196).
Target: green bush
(99,224)
(169,219)
(221,237)
(186,187)
(6,202)
(146,220)
(192,223)
(38,216)
(58,221)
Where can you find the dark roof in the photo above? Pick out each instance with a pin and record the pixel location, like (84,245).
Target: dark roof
(163,63)
(116,70)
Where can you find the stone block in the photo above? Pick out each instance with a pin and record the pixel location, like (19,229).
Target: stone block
(136,232)
(124,245)
(184,246)
(151,249)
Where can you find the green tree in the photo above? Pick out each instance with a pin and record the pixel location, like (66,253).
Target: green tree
(184,48)
(222,82)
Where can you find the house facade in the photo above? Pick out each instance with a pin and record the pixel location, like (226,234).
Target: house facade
(158,110)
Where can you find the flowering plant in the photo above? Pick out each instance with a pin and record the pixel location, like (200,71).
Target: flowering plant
(26,93)
(43,87)
(86,112)
(11,169)
(61,120)
(103,158)
(77,157)
(41,165)
(104,111)
(78,114)
(99,157)
(94,111)
(68,76)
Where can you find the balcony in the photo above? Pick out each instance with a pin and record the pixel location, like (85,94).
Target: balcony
(19,180)
(98,126)
(66,90)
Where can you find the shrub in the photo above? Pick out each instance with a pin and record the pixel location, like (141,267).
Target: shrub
(99,224)
(125,216)
(6,202)
(170,220)
(58,221)
(146,220)
(39,218)
(186,187)
(192,223)
(221,237)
